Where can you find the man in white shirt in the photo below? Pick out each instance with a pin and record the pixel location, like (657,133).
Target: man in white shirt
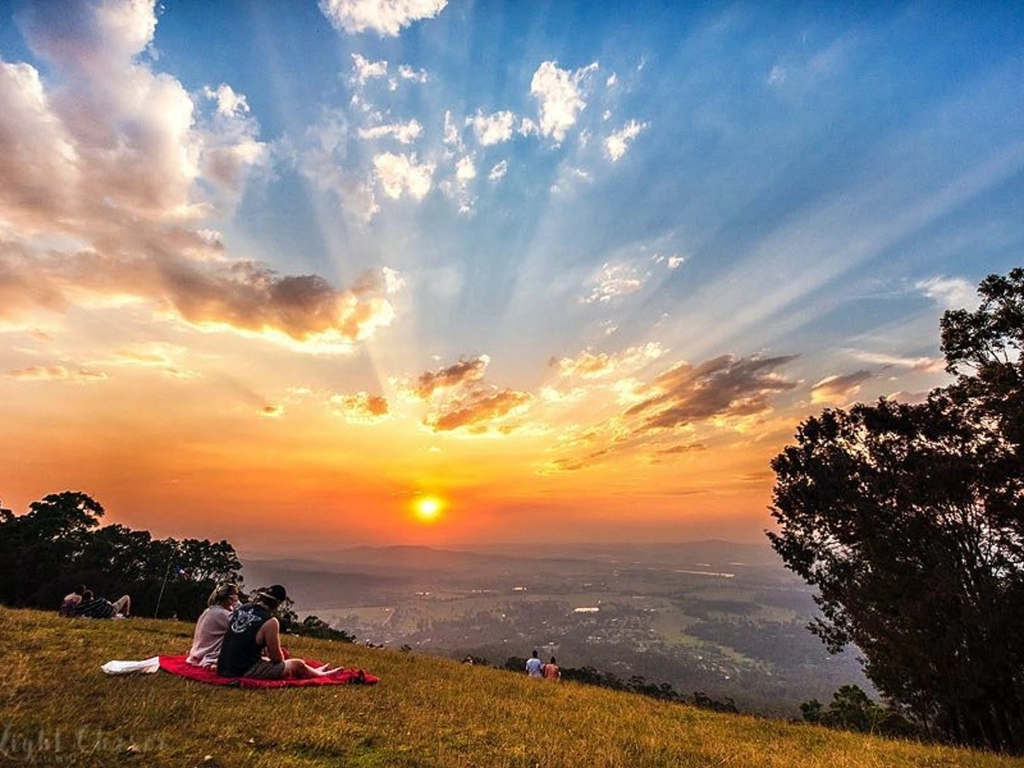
(534,668)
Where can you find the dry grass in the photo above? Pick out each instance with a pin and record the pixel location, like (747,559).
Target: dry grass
(60,709)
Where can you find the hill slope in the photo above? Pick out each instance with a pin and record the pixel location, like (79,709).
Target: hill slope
(60,709)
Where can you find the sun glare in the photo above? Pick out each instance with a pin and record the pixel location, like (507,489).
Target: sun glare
(427,508)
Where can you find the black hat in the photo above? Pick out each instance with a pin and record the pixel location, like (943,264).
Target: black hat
(275,594)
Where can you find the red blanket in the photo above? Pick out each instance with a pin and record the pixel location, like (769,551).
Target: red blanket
(177,665)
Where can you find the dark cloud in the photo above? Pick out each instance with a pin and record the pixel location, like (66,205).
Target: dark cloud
(462,372)
(723,386)
(841,388)
(477,412)
(239,295)
(688,448)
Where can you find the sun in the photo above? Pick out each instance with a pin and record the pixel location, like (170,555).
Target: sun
(427,508)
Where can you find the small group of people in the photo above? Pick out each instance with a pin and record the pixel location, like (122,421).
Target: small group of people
(245,640)
(536,668)
(82,602)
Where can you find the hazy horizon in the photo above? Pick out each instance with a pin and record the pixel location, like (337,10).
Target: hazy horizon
(451,272)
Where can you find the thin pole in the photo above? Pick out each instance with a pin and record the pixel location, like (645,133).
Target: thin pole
(167,570)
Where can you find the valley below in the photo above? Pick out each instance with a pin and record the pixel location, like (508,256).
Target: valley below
(717,617)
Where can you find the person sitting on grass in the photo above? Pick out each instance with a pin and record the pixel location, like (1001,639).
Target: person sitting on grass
(91,607)
(252,644)
(212,626)
(69,605)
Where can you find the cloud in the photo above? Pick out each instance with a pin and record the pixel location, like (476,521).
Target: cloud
(272,411)
(108,138)
(452,136)
(385,17)
(400,175)
(364,70)
(459,374)
(156,355)
(919,364)
(300,311)
(839,390)
(724,387)
(458,187)
(614,280)
(588,365)
(497,173)
(404,133)
(684,448)
(617,143)
(949,292)
(480,412)
(416,75)
(322,161)
(56,373)
(560,93)
(672,262)
(492,129)
(360,408)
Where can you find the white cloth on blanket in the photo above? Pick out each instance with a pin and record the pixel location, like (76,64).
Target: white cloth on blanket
(127,667)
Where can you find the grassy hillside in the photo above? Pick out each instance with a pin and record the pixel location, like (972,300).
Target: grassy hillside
(58,708)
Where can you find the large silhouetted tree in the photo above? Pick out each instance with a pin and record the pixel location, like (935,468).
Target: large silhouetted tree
(909,519)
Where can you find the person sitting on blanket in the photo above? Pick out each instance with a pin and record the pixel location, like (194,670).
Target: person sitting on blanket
(252,644)
(69,605)
(100,608)
(212,624)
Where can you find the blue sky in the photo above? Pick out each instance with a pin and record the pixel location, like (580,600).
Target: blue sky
(546,261)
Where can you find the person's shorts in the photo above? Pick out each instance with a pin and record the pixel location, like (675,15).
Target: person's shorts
(266,670)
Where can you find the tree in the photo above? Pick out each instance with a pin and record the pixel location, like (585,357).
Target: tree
(853,710)
(39,545)
(909,519)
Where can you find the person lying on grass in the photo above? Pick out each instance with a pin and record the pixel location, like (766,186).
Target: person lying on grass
(92,607)
(212,626)
(252,644)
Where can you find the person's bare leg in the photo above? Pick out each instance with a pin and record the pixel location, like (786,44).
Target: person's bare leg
(298,668)
(123,605)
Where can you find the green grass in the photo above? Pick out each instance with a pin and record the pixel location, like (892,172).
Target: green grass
(58,708)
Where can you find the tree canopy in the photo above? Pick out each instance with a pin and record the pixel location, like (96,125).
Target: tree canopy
(59,543)
(909,520)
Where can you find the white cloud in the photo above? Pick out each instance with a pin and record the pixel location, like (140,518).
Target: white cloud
(364,70)
(229,103)
(611,81)
(614,280)
(672,262)
(498,171)
(777,75)
(527,127)
(458,187)
(404,133)
(452,136)
(950,292)
(465,169)
(616,144)
(560,93)
(322,163)
(401,174)
(416,75)
(492,129)
(108,140)
(386,17)
(919,364)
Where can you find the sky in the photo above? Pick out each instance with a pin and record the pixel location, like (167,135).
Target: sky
(446,272)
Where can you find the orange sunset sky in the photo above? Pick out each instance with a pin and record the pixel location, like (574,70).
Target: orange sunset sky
(278,272)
